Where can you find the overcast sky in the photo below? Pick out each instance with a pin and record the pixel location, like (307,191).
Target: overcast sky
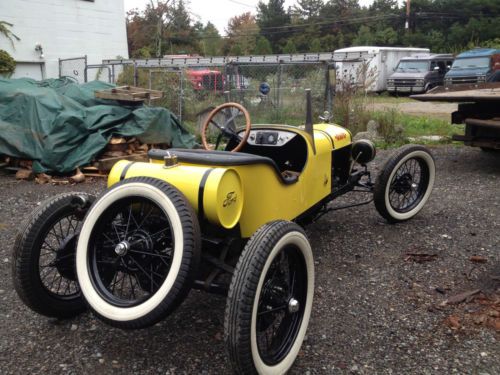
(217,11)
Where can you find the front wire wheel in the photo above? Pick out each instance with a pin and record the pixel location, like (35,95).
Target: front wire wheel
(43,270)
(270,300)
(138,252)
(405,183)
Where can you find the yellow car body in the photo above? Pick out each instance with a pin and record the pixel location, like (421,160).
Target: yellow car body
(247,196)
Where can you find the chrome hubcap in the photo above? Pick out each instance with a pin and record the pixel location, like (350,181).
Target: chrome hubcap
(122,248)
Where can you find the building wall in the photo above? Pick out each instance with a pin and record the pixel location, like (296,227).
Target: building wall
(64,28)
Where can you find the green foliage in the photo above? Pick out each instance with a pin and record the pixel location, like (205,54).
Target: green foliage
(315,46)
(6,32)
(364,37)
(495,43)
(272,19)
(308,9)
(242,32)
(211,41)
(263,47)
(290,47)
(7,64)
(166,27)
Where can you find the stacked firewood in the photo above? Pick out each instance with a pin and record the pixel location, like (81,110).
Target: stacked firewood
(117,149)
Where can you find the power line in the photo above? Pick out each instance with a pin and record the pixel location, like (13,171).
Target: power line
(240,3)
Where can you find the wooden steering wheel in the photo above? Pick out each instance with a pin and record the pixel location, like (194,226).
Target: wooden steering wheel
(228,112)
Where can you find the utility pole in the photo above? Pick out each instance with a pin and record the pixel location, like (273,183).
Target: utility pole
(407,23)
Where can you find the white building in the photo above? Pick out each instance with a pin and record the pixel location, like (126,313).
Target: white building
(54,29)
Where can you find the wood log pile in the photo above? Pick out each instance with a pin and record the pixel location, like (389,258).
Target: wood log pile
(117,149)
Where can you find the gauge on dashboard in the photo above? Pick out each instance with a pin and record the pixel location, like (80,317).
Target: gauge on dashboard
(269,137)
(266,138)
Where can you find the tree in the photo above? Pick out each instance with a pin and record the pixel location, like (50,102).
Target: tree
(315,46)
(289,47)
(158,17)
(242,32)
(263,47)
(210,40)
(272,20)
(180,32)
(164,25)
(364,37)
(308,9)
(6,32)
(386,37)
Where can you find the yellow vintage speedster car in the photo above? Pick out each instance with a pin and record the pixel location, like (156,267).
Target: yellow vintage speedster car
(227,222)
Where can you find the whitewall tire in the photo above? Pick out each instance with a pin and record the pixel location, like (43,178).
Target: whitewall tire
(137,252)
(405,183)
(271,295)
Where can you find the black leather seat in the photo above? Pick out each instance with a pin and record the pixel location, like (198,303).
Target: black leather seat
(221,158)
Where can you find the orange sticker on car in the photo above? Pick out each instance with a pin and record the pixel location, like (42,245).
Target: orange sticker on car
(340,136)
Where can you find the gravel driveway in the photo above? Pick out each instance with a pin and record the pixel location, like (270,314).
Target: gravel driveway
(378,304)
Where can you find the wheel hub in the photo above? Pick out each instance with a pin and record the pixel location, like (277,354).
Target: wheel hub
(293,306)
(65,257)
(122,248)
(405,183)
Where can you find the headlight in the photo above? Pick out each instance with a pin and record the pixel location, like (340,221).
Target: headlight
(481,78)
(390,82)
(420,82)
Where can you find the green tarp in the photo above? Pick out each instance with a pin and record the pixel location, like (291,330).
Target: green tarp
(60,125)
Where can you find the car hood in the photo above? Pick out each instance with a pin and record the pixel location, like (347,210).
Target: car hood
(408,75)
(469,72)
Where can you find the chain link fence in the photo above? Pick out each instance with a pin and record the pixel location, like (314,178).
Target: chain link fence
(272,93)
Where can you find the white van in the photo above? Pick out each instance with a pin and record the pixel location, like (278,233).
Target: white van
(380,63)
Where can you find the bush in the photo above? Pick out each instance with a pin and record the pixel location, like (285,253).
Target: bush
(7,64)
(389,126)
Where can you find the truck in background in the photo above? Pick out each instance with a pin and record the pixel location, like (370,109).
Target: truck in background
(370,66)
(204,79)
(475,66)
(420,73)
(478,109)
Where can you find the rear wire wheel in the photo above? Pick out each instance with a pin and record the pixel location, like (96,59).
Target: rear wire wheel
(43,269)
(405,183)
(138,252)
(270,300)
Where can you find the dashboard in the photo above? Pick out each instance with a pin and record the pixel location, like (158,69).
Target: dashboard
(269,137)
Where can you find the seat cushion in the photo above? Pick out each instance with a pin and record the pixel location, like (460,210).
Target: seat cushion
(221,158)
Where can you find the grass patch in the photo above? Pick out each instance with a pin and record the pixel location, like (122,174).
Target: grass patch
(417,126)
(387,98)
(396,128)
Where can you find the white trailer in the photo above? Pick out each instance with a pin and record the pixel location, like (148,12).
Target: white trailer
(370,66)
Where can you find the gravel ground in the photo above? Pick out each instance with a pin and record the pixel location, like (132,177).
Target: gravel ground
(376,311)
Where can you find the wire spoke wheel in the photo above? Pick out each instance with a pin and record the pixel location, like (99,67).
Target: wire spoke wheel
(44,256)
(405,183)
(138,252)
(270,300)
(130,252)
(281,305)
(57,258)
(407,187)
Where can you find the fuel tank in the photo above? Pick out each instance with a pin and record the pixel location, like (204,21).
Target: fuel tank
(215,193)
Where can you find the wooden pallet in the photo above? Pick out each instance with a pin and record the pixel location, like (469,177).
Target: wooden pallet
(129,94)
